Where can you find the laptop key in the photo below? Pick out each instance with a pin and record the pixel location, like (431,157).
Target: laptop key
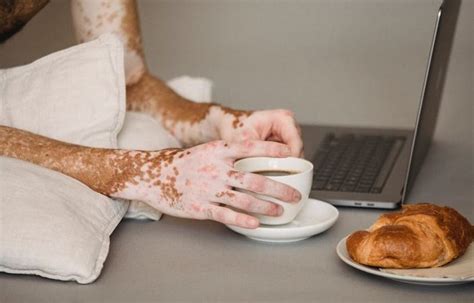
(350,183)
(318,185)
(331,187)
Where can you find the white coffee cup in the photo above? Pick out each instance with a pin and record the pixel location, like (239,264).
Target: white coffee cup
(300,179)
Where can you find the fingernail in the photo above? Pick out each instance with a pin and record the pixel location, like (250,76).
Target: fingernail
(279,211)
(296,196)
(252,222)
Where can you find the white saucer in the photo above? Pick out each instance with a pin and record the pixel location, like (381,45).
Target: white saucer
(316,217)
(344,255)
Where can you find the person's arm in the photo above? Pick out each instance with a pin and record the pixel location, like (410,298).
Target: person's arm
(189,122)
(180,182)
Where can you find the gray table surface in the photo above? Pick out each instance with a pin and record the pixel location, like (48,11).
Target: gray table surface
(200,261)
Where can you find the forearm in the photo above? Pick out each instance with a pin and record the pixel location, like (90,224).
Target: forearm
(91,18)
(192,123)
(107,171)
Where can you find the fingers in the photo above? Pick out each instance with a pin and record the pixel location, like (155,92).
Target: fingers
(248,203)
(228,216)
(290,134)
(262,185)
(255,148)
(285,129)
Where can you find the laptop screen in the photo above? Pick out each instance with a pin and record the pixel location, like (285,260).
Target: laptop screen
(433,87)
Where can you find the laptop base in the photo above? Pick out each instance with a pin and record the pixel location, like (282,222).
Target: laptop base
(391,195)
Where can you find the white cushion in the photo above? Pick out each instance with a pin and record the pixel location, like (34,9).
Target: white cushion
(196,89)
(140,131)
(52,225)
(75,95)
(55,226)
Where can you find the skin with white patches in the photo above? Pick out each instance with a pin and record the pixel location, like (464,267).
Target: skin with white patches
(92,18)
(269,125)
(187,183)
(190,183)
(191,123)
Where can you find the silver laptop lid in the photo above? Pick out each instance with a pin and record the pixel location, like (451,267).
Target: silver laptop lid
(433,86)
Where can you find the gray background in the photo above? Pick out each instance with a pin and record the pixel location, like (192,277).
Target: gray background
(332,62)
(346,62)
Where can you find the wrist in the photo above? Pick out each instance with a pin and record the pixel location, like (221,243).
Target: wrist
(216,120)
(124,171)
(225,120)
(143,175)
(135,69)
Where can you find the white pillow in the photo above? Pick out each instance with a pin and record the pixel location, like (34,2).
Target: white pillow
(55,226)
(141,132)
(196,89)
(76,95)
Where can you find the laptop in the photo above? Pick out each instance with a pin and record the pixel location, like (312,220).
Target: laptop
(375,168)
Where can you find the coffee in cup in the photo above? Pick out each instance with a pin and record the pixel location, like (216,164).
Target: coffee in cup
(295,172)
(275,173)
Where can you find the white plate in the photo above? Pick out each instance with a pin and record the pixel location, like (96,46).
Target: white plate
(315,217)
(344,255)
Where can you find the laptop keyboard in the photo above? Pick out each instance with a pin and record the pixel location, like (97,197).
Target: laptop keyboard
(355,163)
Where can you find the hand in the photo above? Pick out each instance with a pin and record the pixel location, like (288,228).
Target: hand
(194,182)
(268,125)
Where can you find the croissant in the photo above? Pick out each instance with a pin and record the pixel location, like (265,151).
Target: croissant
(421,235)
